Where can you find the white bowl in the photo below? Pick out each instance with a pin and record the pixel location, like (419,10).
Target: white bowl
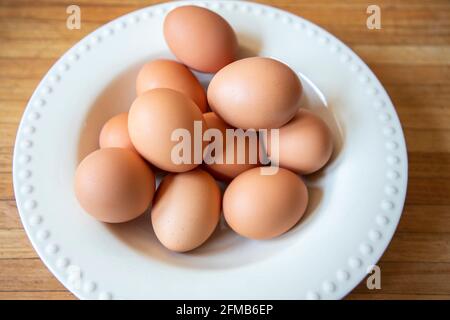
(356,201)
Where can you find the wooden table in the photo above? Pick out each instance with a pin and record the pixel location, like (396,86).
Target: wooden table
(410,55)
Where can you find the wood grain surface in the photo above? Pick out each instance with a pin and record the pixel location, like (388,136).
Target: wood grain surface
(410,55)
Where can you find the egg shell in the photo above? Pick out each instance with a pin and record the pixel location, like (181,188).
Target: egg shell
(114,185)
(305,143)
(153,118)
(114,133)
(200,38)
(257,92)
(186,210)
(225,171)
(170,74)
(260,206)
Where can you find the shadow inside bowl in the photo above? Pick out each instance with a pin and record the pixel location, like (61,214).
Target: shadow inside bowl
(114,99)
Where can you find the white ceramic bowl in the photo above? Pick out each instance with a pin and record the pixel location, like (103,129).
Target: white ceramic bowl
(356,201)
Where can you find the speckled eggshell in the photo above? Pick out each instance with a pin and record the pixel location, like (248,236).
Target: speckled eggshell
(200,38)
(257,93)
(163,73)
(186,210)
(260,206)
(114,185)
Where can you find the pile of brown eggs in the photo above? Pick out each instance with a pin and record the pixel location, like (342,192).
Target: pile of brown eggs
(116,183)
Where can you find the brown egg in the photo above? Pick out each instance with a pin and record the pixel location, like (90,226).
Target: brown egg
(154,117)
(115,133)
(114,185)
(173,75)
(200,38)
(258,93)
(227,171)
(305,143)
(186,210)
(264,206)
